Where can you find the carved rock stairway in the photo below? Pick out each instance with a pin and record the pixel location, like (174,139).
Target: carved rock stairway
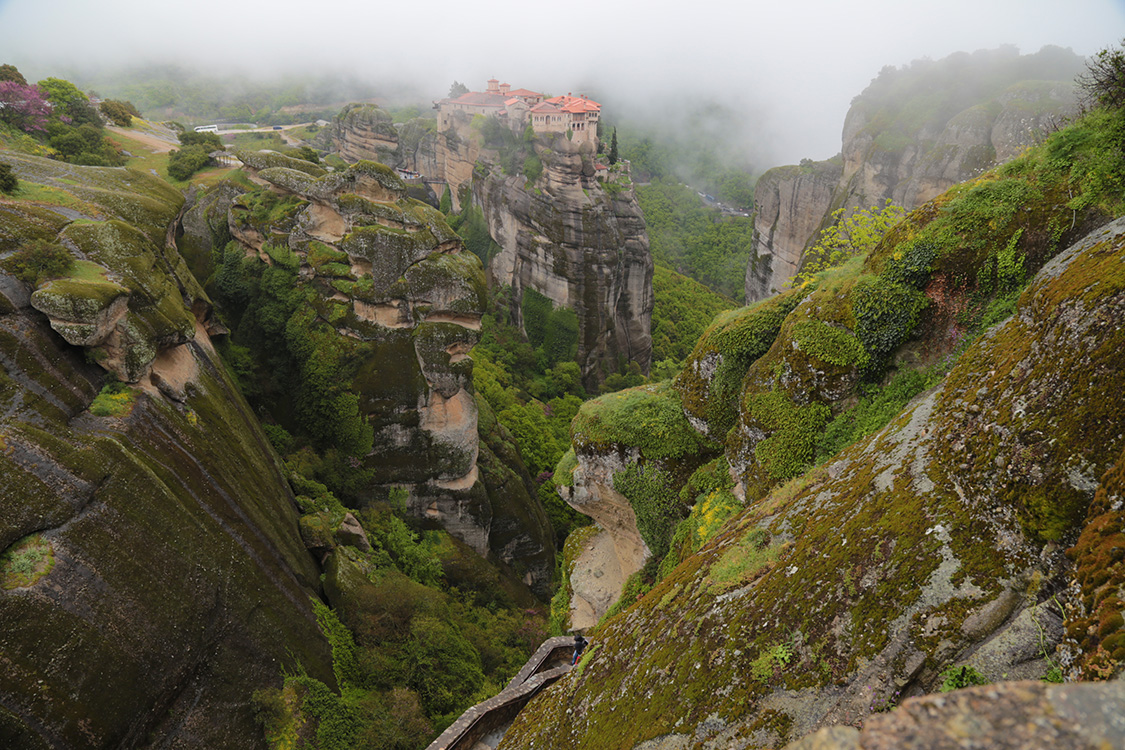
(549,662)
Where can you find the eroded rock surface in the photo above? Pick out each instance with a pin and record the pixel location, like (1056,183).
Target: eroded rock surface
(928,545)
(152,575)
(391,282)
(901,160)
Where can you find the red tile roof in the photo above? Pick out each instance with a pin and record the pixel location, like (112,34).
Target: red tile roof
(575,104)
(523,92)
(545,108)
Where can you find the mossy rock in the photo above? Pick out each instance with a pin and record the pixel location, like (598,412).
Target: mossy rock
(648,417)
(293,180)
(712,375)
(265,160)
(914,546)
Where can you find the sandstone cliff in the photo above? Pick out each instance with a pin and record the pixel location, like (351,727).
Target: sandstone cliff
(362,132)
(582,245)
(396,301)
(905,147)
(152,574)
(565,234)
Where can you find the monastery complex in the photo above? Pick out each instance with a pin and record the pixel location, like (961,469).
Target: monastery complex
(577,115)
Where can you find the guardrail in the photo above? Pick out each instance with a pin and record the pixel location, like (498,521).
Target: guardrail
(549,662)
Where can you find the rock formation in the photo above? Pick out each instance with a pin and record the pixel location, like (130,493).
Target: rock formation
(1002,717)
(931,544)
(908,151)
(151,571)
(391,284)
(581,245)
(567,235)
(363,132)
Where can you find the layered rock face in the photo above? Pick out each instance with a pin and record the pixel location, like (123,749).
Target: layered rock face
(906,159)
(392,284)
(363,132)
(151,571)
(580,245)
(790,205)
(566,236)
(931,544)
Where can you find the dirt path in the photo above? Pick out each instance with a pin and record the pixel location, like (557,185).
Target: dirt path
(595,583)
(158,143)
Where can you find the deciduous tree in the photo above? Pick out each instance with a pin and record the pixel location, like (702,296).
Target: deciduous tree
(23,107)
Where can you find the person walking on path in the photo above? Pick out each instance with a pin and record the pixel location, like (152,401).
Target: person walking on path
(579,645)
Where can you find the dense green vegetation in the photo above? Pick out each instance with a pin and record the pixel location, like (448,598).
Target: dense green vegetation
(119,113)
(682,309)
(533,391)
(418,631)
(56,119)
(695,240)
(194,156)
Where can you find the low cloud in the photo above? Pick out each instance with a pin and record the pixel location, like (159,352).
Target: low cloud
(786,70)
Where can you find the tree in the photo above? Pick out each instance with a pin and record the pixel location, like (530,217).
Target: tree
(10,73)
(446,203)
(1103,82)
(187,161)
(613,148)
(23,107)
(457,89)
(119,113)
(207,141)
(8,181)
(856,235)
(70,105)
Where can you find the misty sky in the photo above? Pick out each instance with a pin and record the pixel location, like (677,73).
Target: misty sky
(792,66)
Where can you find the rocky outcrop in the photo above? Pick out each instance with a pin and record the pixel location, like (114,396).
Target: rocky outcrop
(391,284)
(617,552)
(1004,717)
(580,244)
(906,151)
(151,572)
(790,206)
(932,544)
(363,132)
(818,579)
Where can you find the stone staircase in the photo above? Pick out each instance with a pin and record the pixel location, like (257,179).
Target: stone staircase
(549,662)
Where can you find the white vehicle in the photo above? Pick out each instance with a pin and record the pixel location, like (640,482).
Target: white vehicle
(207,128)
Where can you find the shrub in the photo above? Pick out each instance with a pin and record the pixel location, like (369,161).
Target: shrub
(208,141)
(532,168)
(1103,82)
(793,432)
(742,561)
(187,161)
(23,106)
(115,400)
(886,314)
(38,261)
(9,183)
(25,562)
(652,493)
(955,678)
(118,112)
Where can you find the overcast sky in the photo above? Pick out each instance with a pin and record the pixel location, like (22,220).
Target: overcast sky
(792,66)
